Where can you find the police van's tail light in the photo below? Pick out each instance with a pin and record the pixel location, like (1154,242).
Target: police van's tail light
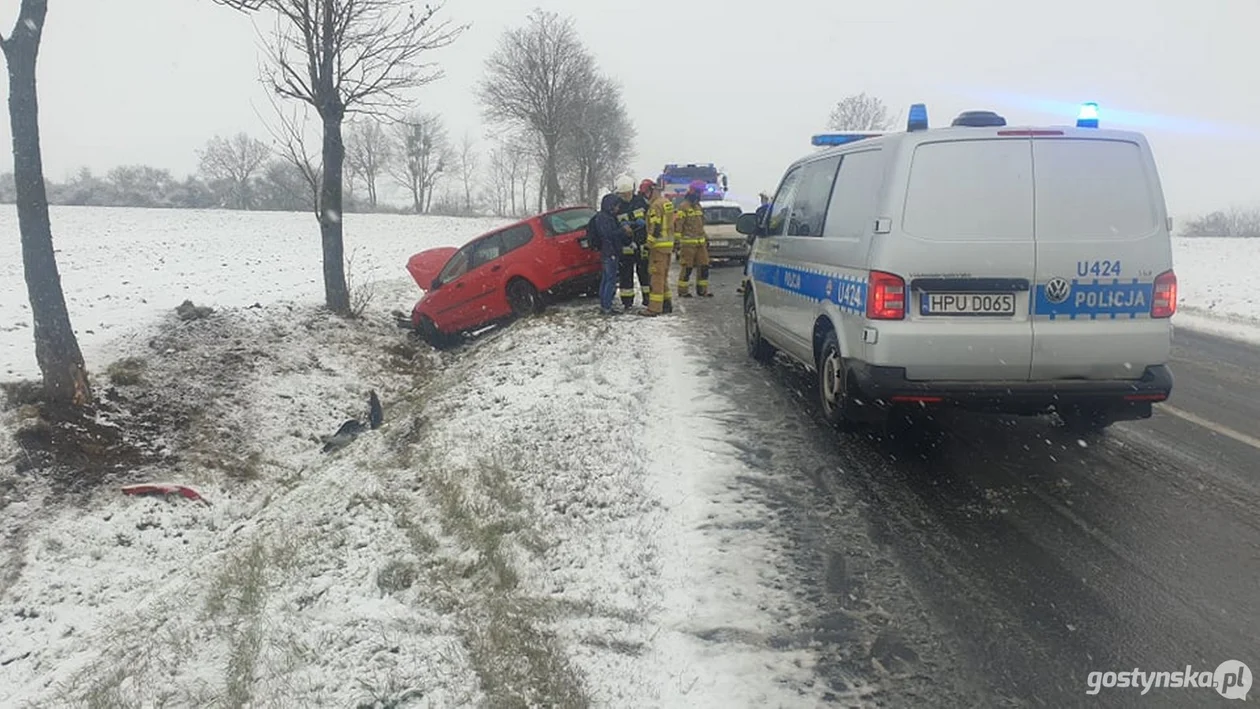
(1164,304)
(886,297)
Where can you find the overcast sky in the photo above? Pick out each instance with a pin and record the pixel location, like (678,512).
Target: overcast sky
(148,81)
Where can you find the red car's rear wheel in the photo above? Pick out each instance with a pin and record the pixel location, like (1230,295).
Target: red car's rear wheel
(523,297)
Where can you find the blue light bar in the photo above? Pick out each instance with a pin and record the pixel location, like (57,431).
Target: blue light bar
(918,117)
(1088,117)
(830,139)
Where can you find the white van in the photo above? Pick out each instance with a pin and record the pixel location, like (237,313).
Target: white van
(1009,269)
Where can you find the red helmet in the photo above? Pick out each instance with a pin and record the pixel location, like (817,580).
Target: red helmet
(647,186)
(697,185)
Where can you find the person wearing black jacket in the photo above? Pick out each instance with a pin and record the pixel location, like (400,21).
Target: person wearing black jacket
(632,214)
(761,213)
(612,239)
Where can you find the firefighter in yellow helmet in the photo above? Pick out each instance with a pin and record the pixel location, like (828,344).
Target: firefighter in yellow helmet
(693,244)
(660,248)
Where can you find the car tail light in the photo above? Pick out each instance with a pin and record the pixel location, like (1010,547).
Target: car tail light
(886,297)
(1164,304)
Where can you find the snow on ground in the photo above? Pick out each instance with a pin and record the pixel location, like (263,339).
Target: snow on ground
(657,582)
(289,587)
(1216,283)
(544,518)
(120,266)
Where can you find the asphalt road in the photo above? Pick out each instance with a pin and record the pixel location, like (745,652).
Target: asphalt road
(993,561)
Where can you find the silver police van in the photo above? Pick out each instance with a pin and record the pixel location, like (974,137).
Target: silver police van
(1011,269)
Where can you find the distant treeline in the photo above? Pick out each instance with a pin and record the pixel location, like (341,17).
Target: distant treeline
(1233,223)
(279,186)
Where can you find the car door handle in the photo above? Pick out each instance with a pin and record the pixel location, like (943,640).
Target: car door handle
(496,268)
(459,285)
(774,247)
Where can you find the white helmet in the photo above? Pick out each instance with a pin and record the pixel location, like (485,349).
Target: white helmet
(625,183)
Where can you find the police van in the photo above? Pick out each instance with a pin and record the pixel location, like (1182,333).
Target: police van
(1019,270)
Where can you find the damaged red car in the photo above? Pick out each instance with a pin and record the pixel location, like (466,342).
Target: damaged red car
(503,274)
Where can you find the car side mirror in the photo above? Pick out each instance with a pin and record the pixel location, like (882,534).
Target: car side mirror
(746,224)
(437,283)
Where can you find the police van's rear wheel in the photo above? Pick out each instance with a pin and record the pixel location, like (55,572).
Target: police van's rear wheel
(758,348)
(833,390)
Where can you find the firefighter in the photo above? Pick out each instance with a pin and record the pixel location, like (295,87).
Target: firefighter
(660,248)
(632,215)
(693,244)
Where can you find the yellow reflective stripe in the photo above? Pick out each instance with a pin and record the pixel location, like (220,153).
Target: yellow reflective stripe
(662,244)
(656,298)
(629,293)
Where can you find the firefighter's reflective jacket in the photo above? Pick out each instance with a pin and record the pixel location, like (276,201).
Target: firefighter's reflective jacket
(634,214)
(660,232)
(689,225)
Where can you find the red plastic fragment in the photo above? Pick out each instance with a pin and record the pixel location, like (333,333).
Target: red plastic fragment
(164,489)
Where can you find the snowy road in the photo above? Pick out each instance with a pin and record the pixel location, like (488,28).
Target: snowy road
(1012,559)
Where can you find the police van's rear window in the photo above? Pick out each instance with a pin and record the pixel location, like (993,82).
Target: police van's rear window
(1093,190)
(969,190)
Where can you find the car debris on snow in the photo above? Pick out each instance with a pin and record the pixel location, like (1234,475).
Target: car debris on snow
(353,427)
(164,489)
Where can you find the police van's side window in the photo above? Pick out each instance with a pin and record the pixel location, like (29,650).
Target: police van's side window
(782,203)
(809,208)
(852,209)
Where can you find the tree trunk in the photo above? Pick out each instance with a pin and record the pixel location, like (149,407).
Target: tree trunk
(371,186)
(336,294)
(552,179)
(56,347)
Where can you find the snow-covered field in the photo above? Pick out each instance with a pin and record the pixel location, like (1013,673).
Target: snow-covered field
(121,266)
(519,529)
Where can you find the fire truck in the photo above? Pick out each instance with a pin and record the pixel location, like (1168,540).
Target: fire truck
(676,177)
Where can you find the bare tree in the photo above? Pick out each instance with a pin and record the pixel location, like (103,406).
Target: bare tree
(341,57)
(499,179)
(534,81)
(56,347)
(860,112)
(424,153)
(599,146)
(368,152)
(292,141)
(468,163)
(233,162)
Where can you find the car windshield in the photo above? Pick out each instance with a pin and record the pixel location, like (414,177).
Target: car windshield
(568,221)
(722,214)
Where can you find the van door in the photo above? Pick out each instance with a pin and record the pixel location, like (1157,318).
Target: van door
(966,252)
(1102,240)
(802,253)
(771,280)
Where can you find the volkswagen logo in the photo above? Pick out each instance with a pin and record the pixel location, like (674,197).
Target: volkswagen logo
(1057,290)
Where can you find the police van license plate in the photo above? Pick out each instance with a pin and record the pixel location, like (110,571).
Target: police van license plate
(967,304)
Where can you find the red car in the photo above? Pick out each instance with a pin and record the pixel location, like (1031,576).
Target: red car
(502,274)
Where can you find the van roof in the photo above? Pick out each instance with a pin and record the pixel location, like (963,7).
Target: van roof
(917,137)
